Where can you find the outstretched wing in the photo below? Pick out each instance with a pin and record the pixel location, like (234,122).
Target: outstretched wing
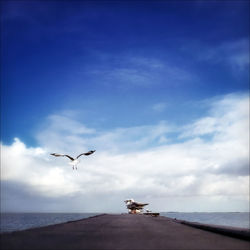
(71,158)
(55,154)
(88,153)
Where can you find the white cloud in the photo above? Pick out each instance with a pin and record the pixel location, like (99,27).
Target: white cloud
(137,162)
(61,132)
(235,54)
(159,107)
(238,53)
(129,71)
(228,117)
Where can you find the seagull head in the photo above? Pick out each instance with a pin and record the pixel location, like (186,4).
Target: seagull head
(129,201)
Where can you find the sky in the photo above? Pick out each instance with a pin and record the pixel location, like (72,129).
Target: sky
(160,89)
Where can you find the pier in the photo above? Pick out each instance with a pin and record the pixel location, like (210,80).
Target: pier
(125,232)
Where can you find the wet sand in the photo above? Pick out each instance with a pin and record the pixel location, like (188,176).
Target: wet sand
(121,232)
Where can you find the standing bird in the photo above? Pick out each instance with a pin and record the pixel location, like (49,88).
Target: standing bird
(75,161)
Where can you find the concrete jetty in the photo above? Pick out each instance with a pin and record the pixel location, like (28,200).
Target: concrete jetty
(121,232)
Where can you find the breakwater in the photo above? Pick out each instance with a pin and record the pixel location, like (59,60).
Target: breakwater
(121,232)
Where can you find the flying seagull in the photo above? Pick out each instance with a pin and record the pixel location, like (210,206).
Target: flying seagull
(74,161)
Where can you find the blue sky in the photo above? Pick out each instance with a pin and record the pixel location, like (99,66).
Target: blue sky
(125,76)
(112,61)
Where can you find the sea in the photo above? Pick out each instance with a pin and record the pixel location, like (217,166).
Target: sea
(232,219)
(20,221)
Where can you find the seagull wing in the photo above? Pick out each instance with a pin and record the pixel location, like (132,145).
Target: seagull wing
(140,204)
(55,154)
(71,158)
(88,153)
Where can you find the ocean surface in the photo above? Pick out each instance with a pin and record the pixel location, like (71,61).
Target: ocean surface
(232,219)
(20,221)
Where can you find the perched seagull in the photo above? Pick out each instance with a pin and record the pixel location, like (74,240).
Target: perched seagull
(134,206)
(75,161)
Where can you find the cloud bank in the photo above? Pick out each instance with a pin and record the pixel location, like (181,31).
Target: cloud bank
(200,166)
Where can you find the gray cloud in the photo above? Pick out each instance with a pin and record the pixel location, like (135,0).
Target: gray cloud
(237,167)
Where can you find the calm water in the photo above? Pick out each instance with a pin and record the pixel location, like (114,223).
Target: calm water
(20,221)
(224,219)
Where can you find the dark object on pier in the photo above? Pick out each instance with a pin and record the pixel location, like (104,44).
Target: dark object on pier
(152,214)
